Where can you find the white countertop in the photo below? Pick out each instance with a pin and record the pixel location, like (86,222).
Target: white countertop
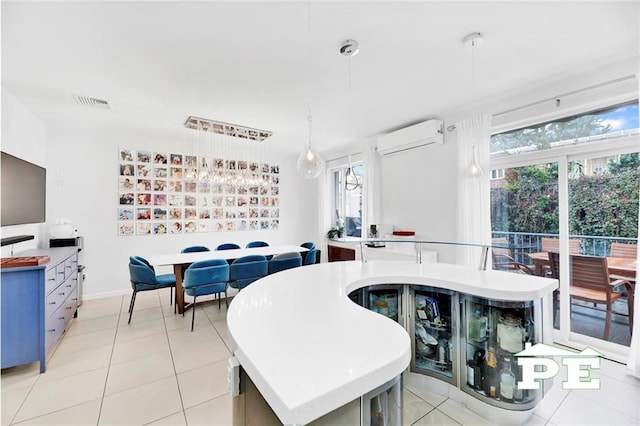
(309,349)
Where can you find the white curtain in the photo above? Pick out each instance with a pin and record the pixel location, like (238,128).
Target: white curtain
(633,364)
(473,212)
(372,190)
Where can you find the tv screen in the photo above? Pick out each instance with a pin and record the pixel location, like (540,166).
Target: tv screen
(23,191)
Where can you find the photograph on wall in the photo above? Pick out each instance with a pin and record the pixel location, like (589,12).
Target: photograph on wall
(125,228)
(176,193)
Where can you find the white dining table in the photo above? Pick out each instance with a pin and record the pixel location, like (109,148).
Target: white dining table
(178,260)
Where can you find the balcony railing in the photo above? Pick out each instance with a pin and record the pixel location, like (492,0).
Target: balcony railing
(589,245)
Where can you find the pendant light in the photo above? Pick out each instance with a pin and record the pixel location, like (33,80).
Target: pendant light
(350,48)
(310,163)
(472,41)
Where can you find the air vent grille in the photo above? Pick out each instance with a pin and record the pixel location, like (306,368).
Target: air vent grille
(228,129)
(92,102)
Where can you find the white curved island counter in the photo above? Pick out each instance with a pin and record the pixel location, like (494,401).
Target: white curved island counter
(310,350)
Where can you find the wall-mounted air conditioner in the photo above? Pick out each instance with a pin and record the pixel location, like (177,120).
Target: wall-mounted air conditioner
(421,134)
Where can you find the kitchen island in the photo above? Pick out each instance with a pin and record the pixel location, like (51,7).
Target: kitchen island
(310,350)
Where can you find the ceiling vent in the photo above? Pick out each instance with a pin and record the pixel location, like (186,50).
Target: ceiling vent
(92,102)
(228,129)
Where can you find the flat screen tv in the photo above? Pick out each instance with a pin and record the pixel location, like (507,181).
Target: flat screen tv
(23,186)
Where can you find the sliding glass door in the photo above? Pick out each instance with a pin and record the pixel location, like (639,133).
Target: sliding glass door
(564,204)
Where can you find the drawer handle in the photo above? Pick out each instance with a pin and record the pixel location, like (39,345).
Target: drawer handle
(61,273)
(52,303)
(75,298)
(69,307)
(68,285)
(61,294)
(60,318)
(53,330)
(51,279)
(68,267)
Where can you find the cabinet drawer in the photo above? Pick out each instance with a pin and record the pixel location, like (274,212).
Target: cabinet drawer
(60,273)
(71,266)
(54,326)
(55,300)
(51,280)
(70,306)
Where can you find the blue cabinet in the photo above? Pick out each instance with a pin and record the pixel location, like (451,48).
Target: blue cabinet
(37,303)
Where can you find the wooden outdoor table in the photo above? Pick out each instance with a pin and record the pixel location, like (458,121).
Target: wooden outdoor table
(620,266)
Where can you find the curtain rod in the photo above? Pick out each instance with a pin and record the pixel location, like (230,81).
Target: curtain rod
(557,97)
(574,92)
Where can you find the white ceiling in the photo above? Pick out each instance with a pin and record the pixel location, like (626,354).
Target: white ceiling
(247,62)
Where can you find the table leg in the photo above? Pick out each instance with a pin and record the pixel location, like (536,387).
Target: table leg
(177,271)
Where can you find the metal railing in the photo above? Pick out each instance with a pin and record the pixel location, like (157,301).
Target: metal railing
(589,245)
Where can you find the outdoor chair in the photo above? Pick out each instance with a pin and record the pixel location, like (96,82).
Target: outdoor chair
(504,260)
(590,282)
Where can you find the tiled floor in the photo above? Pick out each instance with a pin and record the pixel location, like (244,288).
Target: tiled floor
(155,371)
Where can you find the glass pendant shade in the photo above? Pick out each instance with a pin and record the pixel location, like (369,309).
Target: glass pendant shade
(351,181)
(310,164)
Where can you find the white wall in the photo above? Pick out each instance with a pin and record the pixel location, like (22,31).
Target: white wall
(419,193)
(82,174)
(23,136)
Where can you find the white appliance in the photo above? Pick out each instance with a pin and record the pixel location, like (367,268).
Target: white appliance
(426,133)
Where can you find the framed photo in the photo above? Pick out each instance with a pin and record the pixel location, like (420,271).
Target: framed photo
(125,213)
(125,228)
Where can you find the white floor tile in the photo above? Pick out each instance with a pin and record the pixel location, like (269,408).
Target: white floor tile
(141,314)
(20,376)
(93,324)
(436,417)
(551,401)
(577,410)
(70,363)
(139,329)
(204,383)
(618,395)
(139,348)
(85,341)
(215,412)
(11,402)
(461,414)
(79,415)
(176,419)
(199,354)
(63,393)
(142,404)
(413,408)
(184,336)
(139,372)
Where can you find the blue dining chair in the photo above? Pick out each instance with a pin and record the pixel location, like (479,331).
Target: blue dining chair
(228,246)
(310,257)
(247,269)
(309,245)
(193,249)
(206,277)
(143,278)
(257,244)
(285,261)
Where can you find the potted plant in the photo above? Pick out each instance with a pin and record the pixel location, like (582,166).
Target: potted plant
(335,232)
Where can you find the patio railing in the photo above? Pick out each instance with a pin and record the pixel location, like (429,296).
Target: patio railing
(589,245)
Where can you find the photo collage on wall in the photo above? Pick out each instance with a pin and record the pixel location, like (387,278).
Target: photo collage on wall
(171,193)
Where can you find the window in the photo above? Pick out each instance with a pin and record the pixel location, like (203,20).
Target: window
(348,203)
(584,168)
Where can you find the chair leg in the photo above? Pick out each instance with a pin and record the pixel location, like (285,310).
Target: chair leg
(133,302)
(219,300)
(175,303)
(607,324)
(226,299)
(193,317)
(183,302)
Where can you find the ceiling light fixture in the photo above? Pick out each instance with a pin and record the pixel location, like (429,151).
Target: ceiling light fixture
(310,163)
(350,48)
(472,41)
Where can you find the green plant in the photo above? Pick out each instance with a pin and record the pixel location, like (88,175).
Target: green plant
(335,232)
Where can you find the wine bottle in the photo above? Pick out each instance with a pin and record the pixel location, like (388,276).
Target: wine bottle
(507,382)
(491,380)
